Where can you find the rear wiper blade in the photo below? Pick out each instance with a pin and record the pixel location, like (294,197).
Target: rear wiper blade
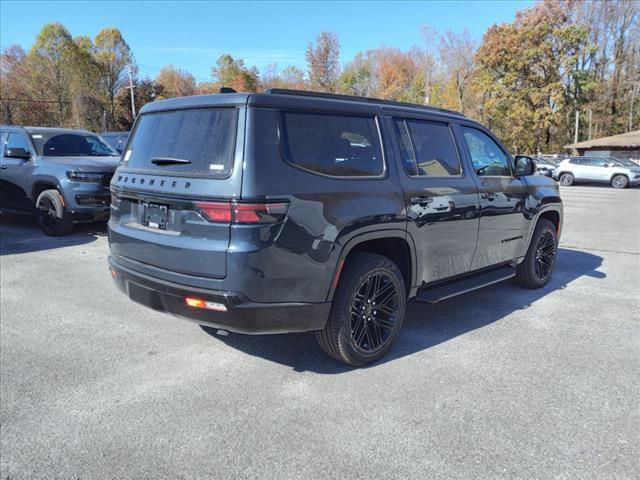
(169,161)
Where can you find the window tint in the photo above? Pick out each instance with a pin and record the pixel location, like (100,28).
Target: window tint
(406,149)
(487,157)
(577,161)
(205,138)
(597,162)
(434,147)
(336,145)
(16,140)
(54,144)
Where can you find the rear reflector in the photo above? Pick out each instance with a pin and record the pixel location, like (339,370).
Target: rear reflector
(198,303)
(247,213)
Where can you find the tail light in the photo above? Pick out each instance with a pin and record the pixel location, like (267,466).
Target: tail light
(246,213)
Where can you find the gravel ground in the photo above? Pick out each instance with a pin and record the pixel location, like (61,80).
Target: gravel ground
(499,383)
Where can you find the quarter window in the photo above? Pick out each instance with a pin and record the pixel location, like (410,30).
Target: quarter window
(488,158)
(336,145)
(428,148)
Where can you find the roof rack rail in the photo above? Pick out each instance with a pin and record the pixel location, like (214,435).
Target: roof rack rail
(353,98)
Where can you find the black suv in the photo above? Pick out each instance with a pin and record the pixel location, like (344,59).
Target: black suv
(298,211)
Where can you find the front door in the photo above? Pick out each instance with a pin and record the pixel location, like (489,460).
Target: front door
(14,173)
(503,217)
(441,198)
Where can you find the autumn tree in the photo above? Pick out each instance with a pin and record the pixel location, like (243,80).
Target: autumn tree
(290,77)
(323,62)
(175,82)
(231,72)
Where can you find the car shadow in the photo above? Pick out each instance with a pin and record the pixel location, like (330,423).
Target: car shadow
(21,234)
(425,325)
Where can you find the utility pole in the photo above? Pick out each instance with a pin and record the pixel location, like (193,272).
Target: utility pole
(634,88)
(575,137)
(131,87)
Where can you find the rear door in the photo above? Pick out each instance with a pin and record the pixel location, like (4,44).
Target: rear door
(175,161)
(440,195)
(599,169)
(503,221)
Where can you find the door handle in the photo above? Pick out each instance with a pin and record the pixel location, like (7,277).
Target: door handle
(489,196)
(421,200)
(3,167)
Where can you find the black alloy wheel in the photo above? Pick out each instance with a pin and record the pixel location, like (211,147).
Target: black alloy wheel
(374,312)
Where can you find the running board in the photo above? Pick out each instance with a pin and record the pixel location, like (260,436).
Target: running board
(464,285)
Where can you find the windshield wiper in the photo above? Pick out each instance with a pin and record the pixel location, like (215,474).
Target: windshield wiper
(169,161)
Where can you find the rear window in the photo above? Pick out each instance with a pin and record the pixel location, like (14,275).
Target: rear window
(198,141)
(336,145)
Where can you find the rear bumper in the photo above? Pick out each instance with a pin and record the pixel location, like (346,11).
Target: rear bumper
(242,315)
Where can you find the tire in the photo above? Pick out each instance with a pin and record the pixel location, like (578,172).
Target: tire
(537,267)
(356,339)
(566,179)
(53,218)
(619,181)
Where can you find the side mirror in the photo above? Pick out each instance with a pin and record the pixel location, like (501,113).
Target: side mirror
(525,166)
(606,165)
(17,152)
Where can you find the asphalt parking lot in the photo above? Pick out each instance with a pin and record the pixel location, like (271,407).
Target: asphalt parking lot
(499,383)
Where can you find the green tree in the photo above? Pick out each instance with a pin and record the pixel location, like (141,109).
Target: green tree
(114,58)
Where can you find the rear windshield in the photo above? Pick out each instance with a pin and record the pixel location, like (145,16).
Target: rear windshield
(53,144)
(199,141)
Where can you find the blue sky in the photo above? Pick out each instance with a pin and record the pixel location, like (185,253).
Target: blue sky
(192,35)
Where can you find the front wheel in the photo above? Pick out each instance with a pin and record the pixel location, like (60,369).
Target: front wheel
(537,266)
(566,180)
(619,181)
(53,218)
(367,312)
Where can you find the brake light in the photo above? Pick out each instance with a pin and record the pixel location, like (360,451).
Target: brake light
(246,213)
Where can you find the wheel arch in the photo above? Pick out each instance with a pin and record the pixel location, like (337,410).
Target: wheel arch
(40,184)
(552,213)
(397,245)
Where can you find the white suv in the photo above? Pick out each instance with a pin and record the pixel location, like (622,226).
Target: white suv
(595,169)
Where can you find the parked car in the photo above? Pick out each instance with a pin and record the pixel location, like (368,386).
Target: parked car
(546,164)
(117,140)
(294,211)
(60,175)
(596,169)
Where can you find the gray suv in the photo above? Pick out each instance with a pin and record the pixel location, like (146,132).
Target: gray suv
(60,175)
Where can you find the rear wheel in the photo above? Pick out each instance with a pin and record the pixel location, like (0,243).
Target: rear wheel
(52,217)
(566,179)
(535,271)
(367,312)
(619,181)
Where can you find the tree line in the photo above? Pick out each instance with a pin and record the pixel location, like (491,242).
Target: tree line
(525,79)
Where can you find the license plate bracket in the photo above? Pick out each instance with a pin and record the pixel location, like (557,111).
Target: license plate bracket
(155,215)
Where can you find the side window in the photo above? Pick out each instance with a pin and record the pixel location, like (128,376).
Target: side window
(435,151)
(16,140)
(597,162)
(336,145)
(488,158)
